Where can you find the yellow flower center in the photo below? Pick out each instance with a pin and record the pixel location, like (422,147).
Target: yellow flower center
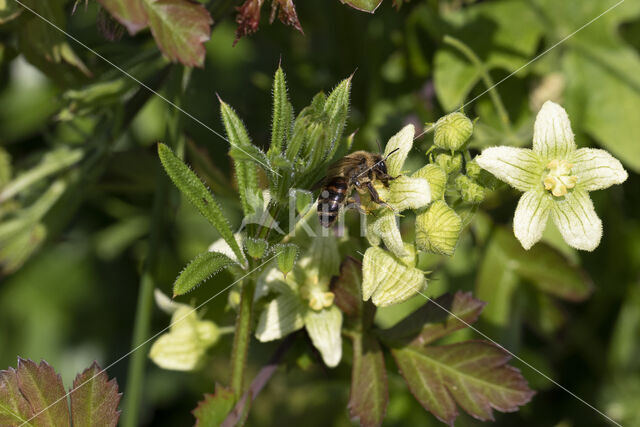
(559,179)
(318,299)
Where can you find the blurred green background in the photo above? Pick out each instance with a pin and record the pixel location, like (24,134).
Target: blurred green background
(69,281)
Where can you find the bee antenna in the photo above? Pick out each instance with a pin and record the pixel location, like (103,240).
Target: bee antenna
(393,152)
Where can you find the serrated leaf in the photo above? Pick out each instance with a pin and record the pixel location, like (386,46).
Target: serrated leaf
(369,393)
(94,398)
(472,374)
(201,268)
(435,319)
(363,5)
(14,408)
(180,27)
(213,410)
(194,190)
(43,389)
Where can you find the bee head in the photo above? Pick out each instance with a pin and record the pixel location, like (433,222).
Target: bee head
(381,163)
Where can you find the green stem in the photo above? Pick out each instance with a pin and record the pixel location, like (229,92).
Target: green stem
(242,337)
(135,377)
(486,78)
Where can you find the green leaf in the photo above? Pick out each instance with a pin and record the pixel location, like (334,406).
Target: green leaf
(347,287)
(194,190)
(435,319)
(282,114)
(202,267)
(213,410)
(94,399)
(180,27)
(509,45)
(336,109)
(473,375)
(363,5)
(43,389)
(14,408)
(369,393)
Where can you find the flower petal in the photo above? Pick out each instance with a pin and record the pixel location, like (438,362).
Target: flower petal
(531,217)
(552,134)
(325,329)
(280,317)
(521,168)
(387,229)
(409,193)
(387,280)
(597,169)
(577,220)
(403,141)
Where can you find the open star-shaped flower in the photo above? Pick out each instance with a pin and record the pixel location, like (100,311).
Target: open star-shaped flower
(555,177)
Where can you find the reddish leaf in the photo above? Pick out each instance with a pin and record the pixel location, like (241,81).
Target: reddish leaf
(287,14)
(213,410)
(43,389)
(369,392)
(347,287)
(473,374)
(435,319)
(180,27)
(248,18)
(94,399)
(14,408)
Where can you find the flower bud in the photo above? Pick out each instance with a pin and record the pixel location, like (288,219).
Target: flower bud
(449,163)
(287,257)
(436,177)
(256,247)
(470,191)
(438,229)
(452,131)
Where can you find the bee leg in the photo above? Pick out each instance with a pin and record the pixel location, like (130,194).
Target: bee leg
(376,197)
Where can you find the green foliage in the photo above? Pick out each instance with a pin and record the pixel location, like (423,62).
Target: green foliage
(33,394)
(201,268)
(213,410)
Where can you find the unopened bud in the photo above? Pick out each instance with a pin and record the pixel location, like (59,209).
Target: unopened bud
(449,163)
(470,191)
(436,177)
(438,229)
(452,131)
(287,257)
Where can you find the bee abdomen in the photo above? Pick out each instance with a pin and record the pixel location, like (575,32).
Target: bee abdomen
(331,198)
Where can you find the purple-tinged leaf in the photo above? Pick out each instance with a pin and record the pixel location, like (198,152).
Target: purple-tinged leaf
(94,398)
(130,13)
(347,287)
(286,12)
(435,319)
(369,391)
(363,5)
(180,27)
(14,408)
(248,18)
(43,389)
(213,410)
(472,374)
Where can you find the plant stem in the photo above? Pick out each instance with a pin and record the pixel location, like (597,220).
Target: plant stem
(486,78)
(242,336)
(135,377)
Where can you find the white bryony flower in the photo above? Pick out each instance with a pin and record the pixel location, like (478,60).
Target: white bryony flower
(303,299)
(555,177)
(403,193)
(184,346)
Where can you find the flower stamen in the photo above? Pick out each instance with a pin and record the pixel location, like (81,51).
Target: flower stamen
(559,179)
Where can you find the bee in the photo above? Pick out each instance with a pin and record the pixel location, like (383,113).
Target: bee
(358,170)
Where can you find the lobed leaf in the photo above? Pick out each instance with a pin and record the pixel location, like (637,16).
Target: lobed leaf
(472,374)
(179,27)
(194,190)
(94,399)
(435,319)
(201,268)
(213,410)
(14,408)
(43,389)
(369,393)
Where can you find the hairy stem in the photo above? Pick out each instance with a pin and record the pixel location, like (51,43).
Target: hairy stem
(135,377)
(242,336)
(486,78)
